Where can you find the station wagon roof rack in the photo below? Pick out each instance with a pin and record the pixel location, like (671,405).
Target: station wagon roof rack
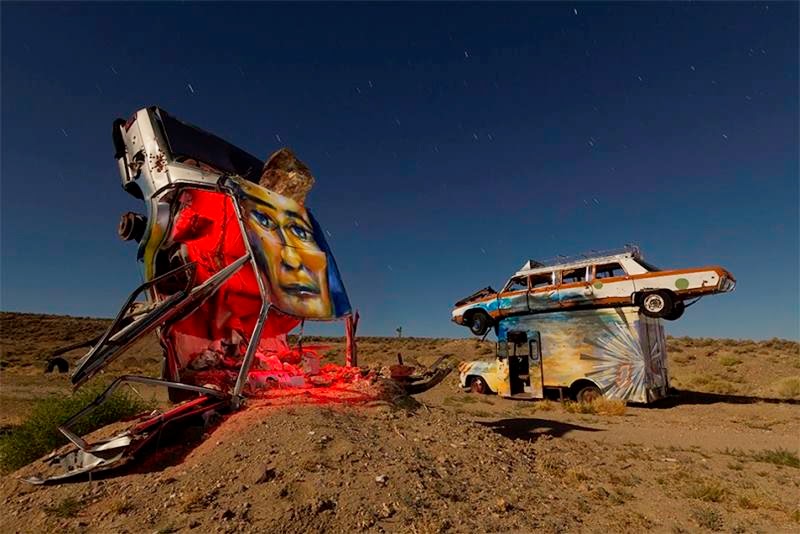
(632,250)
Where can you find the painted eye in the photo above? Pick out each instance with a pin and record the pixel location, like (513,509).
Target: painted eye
(300,232)
(264,220)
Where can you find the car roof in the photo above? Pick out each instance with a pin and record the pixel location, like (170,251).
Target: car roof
(563,262)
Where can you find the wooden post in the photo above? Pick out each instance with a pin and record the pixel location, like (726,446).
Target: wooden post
(351,350)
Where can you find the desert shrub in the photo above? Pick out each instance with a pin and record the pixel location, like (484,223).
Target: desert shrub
(599,406)
(546,405)
(69,507)
(789,387)
(706,491)
(38,434)
(729,361)
(778,457)
(708,518)
(782,344)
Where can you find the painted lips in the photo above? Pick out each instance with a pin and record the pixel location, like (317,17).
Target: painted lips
(301,290)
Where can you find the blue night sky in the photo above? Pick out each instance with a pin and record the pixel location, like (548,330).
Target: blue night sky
(450,142)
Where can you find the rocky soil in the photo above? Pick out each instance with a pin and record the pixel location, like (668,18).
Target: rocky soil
(715,457)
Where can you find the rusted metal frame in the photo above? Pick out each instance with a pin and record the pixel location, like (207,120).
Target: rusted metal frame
(255,338)
(182,412)
(167,311)
(83,444)
(173,413)
(145,286)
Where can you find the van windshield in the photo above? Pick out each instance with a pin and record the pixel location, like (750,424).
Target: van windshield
(187,141)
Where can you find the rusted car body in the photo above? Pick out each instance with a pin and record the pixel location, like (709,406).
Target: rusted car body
(608,279)
(232,261)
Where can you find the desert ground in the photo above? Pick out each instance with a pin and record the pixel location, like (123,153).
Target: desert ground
(718,455)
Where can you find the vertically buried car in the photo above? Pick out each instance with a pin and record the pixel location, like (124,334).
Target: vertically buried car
(232,261)
(598,280)
(230,254)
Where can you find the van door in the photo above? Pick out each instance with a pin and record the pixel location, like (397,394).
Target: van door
(574,288)
(513,299)
(525,365)
(535,368)
(542,295)
(611,284)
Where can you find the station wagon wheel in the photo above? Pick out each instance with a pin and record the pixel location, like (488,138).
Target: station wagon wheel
(480,323)
(657,304)
(478,385)
(677,311)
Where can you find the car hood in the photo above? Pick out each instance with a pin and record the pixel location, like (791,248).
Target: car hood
(478,295)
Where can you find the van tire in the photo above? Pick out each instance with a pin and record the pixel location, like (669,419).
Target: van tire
(479,323)
(657,303)
(478,385)
(588,394)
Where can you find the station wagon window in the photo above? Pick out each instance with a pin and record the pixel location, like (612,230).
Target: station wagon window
(609,270)
(650,267)
(570,276)
(541,280)
(517,284)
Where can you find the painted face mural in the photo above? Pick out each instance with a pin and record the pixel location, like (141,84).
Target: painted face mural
(291,252)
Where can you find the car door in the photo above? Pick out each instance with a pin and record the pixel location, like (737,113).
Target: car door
(574,288)
(513,299)
(611,284)
(542,295)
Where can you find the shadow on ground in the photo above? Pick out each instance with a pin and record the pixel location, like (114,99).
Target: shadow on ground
(531,429)
(679,397)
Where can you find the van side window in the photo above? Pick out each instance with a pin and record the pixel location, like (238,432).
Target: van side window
(570,276)
(541,280)
(609,270)
(517,284)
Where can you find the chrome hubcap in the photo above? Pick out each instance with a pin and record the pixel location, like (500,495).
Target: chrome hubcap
(654,303)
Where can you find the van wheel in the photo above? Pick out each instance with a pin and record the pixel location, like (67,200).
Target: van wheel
(657,304)
(480,323)
(588,394)
(677,311)
(478,385)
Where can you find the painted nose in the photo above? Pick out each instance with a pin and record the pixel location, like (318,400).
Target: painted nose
(290,258)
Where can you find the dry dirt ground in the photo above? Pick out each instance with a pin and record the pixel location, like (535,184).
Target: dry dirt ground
(703,460)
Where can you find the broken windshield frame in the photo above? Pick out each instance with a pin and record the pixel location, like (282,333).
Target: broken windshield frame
(188,141)
(651,268)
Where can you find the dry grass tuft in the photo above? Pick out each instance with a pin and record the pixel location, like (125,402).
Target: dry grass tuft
(708,518)
(120,505)
(577,474)
(789,387)
(729,361)
(778,457)
(66,508)
(706,491)
(600,406)
(546,405)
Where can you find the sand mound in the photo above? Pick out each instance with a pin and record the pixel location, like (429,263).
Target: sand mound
(309,468)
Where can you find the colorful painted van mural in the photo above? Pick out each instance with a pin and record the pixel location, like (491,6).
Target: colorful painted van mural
(619,353)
